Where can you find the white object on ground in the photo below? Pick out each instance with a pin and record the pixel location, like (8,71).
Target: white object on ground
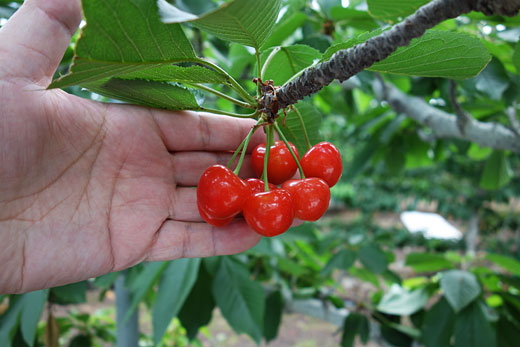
(431,225)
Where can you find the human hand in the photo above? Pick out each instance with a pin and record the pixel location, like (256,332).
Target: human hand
(88,188)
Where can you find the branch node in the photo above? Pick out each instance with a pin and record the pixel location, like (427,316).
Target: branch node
(463,118)
(513,119)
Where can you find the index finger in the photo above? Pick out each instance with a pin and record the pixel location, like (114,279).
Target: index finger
(197,131)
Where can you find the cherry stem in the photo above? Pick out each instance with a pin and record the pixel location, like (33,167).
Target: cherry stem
(236,153)
(269,133)
(268,61)
(234,84)
(222,95)
(282,136)
(243,147)
(259,67)
(225,113)
(302,123)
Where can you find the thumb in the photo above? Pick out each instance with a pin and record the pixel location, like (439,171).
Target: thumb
(35,38)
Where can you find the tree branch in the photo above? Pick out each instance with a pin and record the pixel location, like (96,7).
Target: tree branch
(346,63)
(463,118)
(445,125)
(513,119)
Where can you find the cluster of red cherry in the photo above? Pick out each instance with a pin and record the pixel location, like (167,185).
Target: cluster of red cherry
(270,210)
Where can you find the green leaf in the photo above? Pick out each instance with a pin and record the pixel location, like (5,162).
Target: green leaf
(81,340)
(516,58)
(285,28)
(241,300)
(273,315)
(238,59)
(476,152)
(364,330)
(394,334)
(497,172)
(123,36)
(212,264)
(74,293)
(344,259)
(361,158)
(9,321)
(391,277)
(507,332)
(395,159)
(173,73)
(293,129)
(174,286)
(349,43)
(291,267)
(169,96)
(196,6)
(143,282)
(353,325)
(460,288)
(493,80)
(33,304)
(417,153)
(427,262)
(508,263)
(438,54)
(6,12)
(400,302)
(198,306)
(438,325)
(282,63)
(106,281)
(247,22)
(327,5)
(384,9)
(510,280)
(373,258)
(352,18)
(364,275)
(472,329)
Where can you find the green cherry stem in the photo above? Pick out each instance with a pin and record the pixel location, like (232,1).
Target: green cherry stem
(234,84)
(235,154)
(269,133)
(243,147)
(268,61)
(231,114)
(259,67)
(302,123)
(282,136)
(222,95)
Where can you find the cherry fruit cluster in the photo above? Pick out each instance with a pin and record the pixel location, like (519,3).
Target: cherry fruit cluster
(269,206)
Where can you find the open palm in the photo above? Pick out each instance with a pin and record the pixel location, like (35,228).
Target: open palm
(87,188)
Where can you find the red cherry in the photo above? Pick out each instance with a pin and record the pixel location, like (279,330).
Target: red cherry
(270,213)
(257,185)
(324,161)
(281,166)
(221,194)
(214,221)
(311,197)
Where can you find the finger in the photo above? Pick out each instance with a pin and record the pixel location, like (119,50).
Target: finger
(185,206)
(189,166)
(188,240)
(192,131)
(36,36)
